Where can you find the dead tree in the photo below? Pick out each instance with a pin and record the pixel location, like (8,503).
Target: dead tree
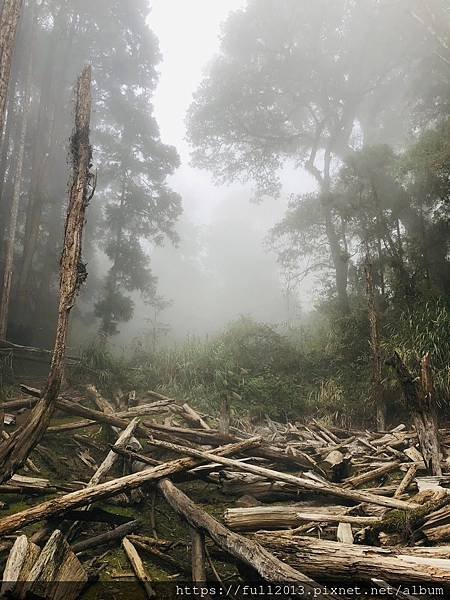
(12,223)
(377,386)
(9,20)
(15,450)
(420,402)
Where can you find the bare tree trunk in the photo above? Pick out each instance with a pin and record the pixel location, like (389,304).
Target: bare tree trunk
(9,20)
(419,400)
(12,224)
(245,550)
(15,450)
(377,386)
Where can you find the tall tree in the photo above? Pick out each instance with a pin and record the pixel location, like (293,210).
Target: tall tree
(12,222)
(9,20)
(291,81)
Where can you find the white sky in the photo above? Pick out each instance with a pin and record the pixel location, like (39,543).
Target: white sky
(189,36)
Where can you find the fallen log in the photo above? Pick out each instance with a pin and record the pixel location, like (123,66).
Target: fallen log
(59,506)
(371,475)
(198,556)
(138,567)
(299,482)
(334,561)
(57,573)
(278,517)
(21,559)
(106,538)
(247,551)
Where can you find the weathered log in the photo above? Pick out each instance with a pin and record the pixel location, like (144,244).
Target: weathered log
(406,481)
(198,556)
(21,559)
(15,450)
(344,533)
(59,506)
(247,551)
(371,475)
(278,517)
(111,457)
(299,482)
(327,560)
(106,538)
(57,572)
(138,567)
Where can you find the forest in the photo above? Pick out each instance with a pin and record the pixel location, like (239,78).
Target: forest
(224,298)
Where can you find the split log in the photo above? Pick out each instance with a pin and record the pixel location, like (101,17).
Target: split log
(279,517)
(15,450)
(334,561)
(57,572)
(138,567)
(59,506)
(299,482)
(344,533)
(21,559)
(106,538)
(247,551)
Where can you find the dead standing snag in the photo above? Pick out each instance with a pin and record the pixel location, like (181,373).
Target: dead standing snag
(15,450)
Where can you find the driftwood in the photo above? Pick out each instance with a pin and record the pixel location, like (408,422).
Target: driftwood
(299,482)
(247,551)
(59,506)
(335,561)
(15,450)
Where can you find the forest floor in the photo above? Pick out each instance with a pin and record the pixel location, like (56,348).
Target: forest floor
(356,507)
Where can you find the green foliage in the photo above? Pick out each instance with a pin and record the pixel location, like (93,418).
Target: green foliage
(419,330)
(97,365)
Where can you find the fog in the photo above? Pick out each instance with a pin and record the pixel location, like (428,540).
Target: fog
(233,145)
(221,268)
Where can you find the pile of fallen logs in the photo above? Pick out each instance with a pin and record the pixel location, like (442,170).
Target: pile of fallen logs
(305,504)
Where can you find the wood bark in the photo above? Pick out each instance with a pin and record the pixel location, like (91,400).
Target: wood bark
(327,560)
(299,482)
(62,504)
(14,451)
(247,551)
(420,402)
(9,20)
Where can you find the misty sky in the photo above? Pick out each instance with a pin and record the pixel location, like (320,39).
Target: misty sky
(220,269)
